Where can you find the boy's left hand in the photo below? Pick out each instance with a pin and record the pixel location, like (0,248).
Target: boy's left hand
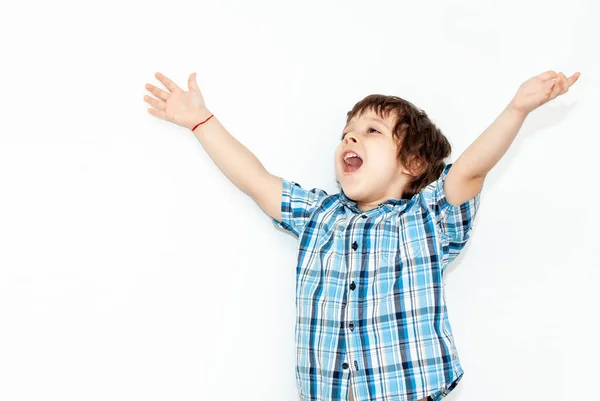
(541,89)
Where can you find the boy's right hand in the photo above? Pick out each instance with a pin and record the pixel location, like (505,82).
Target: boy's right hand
(180,107)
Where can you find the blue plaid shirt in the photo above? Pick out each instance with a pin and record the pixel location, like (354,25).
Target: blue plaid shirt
(370,305)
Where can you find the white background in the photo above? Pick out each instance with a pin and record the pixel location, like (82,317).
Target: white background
(131,268)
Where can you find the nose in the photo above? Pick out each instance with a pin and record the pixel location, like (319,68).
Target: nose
(349,137)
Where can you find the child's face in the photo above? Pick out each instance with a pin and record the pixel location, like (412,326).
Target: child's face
(380,176)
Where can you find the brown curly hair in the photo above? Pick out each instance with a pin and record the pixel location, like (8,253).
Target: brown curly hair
(422,147)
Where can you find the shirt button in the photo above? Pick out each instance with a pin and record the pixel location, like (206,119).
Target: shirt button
(345,365)
(351,325)
(354,245)
(363,216)
(352,286)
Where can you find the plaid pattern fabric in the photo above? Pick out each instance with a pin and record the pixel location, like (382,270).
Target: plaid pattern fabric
(370,306)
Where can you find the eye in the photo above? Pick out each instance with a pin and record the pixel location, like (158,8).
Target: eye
(369,130)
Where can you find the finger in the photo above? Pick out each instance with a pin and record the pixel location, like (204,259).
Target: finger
(573,78)
(158,113)
(547,75)
(161,94)
(555,90)
(564,84)
(558,85)
(154,102)
(192,84)
(166,82)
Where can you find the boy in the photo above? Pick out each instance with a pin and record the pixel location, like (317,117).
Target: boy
(371,318)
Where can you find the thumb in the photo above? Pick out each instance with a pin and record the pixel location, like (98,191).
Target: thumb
(192,82)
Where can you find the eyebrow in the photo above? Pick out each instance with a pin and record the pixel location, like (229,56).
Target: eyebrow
(376,119)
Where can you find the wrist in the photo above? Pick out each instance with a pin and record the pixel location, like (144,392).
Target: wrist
(515,111)
(200,116)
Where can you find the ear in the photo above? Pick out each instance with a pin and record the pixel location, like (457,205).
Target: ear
(415,168)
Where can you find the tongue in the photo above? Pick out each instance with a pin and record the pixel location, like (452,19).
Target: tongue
(353,164)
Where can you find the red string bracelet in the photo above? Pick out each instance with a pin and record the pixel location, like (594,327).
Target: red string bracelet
(202,122)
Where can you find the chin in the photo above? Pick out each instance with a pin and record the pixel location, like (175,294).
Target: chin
(352,191)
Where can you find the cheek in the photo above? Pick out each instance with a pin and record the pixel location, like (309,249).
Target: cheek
(385,158)
(337,154)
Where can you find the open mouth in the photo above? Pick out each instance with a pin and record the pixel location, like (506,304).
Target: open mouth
(351,162)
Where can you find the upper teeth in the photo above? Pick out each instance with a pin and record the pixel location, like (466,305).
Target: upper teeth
(349,155)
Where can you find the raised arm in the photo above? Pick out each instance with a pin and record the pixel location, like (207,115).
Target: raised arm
(240,165)
(465,178)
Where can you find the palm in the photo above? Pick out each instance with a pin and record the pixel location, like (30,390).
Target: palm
(182,105)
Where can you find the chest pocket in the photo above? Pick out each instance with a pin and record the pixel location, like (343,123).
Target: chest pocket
(406,248)
(403,255)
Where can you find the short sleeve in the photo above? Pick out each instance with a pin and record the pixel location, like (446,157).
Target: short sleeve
(455,222)
(297,206)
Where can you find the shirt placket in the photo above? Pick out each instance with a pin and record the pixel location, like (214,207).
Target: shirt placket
(355,232)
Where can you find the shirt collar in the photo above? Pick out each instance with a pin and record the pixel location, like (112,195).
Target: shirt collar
(388,205)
